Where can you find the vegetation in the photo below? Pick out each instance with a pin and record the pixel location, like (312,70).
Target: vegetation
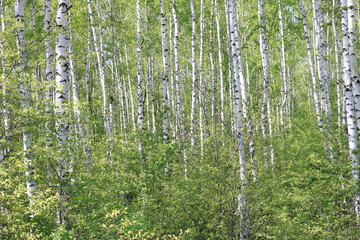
(179,119)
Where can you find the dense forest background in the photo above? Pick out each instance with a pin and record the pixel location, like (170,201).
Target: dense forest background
(179,119)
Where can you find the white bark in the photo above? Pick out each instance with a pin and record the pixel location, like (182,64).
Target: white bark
(231,85)
(349,102)
(201,79)
(130,91)
(309,49)
(49,75)
(75,100)
(87,149)
(5,111)
(220,58)
(153,100)
(322,62)
(265,116)
(171,88)
(339,85)
(195,80)
(74,84)
(61,101)
(25,91)
(178,84)
(165,74)
(212,66)
(283,76)
(49,58)
(140,80)
(242,197)
(353,61)
(100,62)
(179,103)
(243,86)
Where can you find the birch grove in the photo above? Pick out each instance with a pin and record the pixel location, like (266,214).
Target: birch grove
(181,119)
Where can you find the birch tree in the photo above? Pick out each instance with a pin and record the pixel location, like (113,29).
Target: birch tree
(322,62)
(349,101)
(220,57)
(201,78)
(140,79)
(195,80)
(309,50)
(25,85)
(354,64)
(265,116)
(100,63)
(178,83)
(61,101)
(242,197)
(165,74)
(4,109)
(283,76)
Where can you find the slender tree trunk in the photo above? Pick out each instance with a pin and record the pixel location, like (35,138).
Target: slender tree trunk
(265,116)
(87,149)
(339,85)
(349,101)
(130,91)
(323,70)
(178,82)
(165,75)
(25,86)
(5,111)
(75,103)
(201,79)
(309,49)
(100,62)
(243,210)
(284,115)
(356,93)
(140,81)
(323,74)
(152,92)
(195,80)
(61,101)
(354,63)
(49,74)
(220,57)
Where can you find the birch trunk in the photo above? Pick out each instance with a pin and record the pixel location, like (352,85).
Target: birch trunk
(49,75)
(309,49)
(140,80)
(283,76)
(264,47)
(87,149)
(212,66)
(100,62)
(201,79)
(165,74)
(220,58)
(242,197)
(179,103)
(75,102)
(349,101)
(195,80)
(5,111)
(49,60)
(337,45)
(61,101)
(322,62)
(25,103)
(353,62)
(130,91)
